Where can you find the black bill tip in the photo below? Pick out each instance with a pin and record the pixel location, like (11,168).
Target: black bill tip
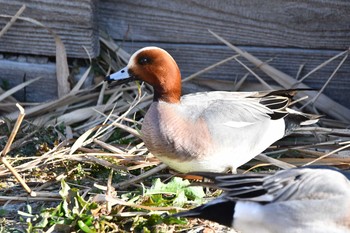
(108,79)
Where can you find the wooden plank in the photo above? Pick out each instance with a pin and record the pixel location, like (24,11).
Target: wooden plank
(192,58)
(13,73)
(276,23)
(74,21)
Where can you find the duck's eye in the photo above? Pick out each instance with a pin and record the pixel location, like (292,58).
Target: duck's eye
(144,60)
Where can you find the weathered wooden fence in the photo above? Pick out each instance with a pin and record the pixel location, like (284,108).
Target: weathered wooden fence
(288,34)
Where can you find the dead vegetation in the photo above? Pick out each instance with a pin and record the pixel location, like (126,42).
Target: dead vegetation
(89,169)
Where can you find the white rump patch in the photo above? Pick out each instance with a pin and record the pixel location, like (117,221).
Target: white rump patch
(237,124)
(309,122)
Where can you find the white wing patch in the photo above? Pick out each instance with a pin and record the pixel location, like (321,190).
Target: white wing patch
(237,124)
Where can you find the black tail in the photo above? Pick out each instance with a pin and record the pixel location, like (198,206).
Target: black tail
(279,101)
(247,186)
(220,210)
(290,93)
(294,119)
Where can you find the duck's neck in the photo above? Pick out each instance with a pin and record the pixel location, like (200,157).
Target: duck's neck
(168,97)
(169,89)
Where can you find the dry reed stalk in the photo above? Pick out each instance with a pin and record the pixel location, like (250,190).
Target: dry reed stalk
(82,140)
(7,149)
(347,145)
(267,86)
(323,130)
(324,103)
(16,198)
(320,67)
(272,161)
(260,165)
(310,153)
(111,45)
(108,147)
(8,105)
(13,90)
(62,70)
(300,69)
(81,80)
(12,21)
(50,107)
(117,201)
(54,153)
(94,160)
(325,161)
(141,177)
(314,99)
(189,78)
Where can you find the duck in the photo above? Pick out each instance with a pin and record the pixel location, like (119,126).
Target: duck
(214,131)
(306,199)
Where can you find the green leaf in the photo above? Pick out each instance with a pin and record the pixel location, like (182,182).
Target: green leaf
(180,199)
(81,201)
(84,227)
(195,193)
(76,207)
(44,221)
(88,220)
(66,210)
(177,187)
(173,187)
(64,190)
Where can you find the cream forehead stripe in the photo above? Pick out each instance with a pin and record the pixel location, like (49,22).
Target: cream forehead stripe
(132,61)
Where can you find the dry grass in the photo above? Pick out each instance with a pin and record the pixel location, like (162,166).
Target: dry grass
(84,122)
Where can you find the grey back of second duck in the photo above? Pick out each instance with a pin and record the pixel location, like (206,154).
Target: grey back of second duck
(292,201)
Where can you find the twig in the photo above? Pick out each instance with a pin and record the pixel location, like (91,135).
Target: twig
(276,162)
(330,153)
(301,67)
(325,161)
(110,43)
(13,90)
(6,198)
(101,162)
(209,68)
(7,149)
(254,74)
(345,132)
(319,67)
(141,177)
(18,177)
(12,21)
(14,131)
(239,84)
(108,146)
(313,100)
(257,166)
(298,100)
(127,129)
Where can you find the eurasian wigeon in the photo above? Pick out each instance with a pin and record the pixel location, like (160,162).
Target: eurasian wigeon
(296,200)
(208,131)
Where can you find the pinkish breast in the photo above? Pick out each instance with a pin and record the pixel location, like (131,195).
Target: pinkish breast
(168,132)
